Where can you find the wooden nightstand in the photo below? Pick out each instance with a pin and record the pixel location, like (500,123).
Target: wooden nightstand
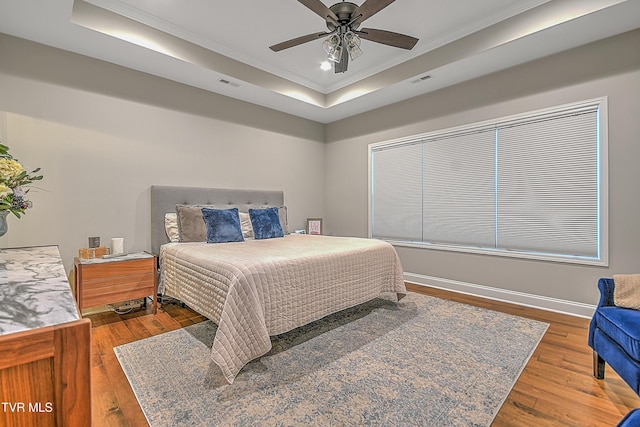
(107,281)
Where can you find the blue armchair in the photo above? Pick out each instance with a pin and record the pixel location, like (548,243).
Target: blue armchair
(614,336)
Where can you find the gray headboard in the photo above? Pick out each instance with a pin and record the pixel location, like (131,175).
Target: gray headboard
(164,199)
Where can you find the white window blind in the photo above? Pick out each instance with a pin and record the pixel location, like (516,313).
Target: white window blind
(521,186)
(548,187)
(397,195)
(459,189)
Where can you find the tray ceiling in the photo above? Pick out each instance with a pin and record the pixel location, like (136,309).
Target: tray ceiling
(222,47)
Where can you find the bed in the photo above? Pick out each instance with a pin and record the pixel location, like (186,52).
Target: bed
(257,288)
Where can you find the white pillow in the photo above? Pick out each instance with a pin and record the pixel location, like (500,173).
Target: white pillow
(284,220)
(171,226)
(245,224)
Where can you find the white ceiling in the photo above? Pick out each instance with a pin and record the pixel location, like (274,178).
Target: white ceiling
(201,42)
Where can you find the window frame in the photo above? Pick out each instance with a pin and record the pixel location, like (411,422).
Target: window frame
(602,184)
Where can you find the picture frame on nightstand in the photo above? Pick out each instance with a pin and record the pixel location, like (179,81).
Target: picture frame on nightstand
(314,226)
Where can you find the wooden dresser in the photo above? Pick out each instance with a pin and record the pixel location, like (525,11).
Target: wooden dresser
(45,345)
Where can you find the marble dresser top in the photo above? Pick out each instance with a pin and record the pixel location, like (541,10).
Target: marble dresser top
(34,291)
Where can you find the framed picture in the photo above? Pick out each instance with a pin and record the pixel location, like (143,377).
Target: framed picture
(314,225)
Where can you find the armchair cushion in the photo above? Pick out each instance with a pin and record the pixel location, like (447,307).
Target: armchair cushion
(622,325)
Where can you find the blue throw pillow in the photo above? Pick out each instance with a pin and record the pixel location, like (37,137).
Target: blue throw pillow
(265,223)
(223,225)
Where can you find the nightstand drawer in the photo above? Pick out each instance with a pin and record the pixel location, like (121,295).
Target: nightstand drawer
(101,291)
(94,300)
(115,270)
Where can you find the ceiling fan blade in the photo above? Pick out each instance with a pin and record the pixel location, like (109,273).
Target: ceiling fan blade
(341,67)
(321,10)
(369,8)
(388,37)
(297,41)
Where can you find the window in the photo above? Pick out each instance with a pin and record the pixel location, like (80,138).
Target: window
(531,186)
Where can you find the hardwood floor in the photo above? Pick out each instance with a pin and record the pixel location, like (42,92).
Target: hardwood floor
(555,389)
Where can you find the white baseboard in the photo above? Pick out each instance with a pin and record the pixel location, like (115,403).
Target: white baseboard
(520,298)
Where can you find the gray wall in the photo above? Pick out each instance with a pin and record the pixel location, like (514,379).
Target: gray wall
(103,135)
(608,68)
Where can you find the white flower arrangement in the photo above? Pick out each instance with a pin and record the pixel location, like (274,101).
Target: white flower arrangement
(14,183)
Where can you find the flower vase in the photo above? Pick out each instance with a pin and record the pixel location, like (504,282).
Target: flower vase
(3,222)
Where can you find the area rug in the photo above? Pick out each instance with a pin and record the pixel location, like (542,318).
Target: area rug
(421,362)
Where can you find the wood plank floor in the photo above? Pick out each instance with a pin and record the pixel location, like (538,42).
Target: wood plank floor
(555,389)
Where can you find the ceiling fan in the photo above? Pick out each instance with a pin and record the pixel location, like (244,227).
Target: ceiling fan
(343,38)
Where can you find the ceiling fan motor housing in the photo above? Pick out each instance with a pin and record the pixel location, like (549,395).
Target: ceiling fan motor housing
(344,11)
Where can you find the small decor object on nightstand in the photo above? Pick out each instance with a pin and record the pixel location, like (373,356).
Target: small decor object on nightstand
(314,225)
(91,253)
(94,242)
(14,183)
(117,245)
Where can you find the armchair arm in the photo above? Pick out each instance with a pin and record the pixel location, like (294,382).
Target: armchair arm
(606,287)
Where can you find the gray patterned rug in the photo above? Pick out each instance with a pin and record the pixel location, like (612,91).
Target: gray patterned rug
(421,362)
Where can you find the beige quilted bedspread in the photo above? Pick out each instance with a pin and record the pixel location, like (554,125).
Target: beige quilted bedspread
(258,288)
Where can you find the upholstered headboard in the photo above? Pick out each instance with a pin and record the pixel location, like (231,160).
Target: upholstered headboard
(164,199)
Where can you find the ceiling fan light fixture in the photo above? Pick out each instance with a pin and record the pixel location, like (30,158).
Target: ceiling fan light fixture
(352,41)
(333,46)
(336,55)
(331,43)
